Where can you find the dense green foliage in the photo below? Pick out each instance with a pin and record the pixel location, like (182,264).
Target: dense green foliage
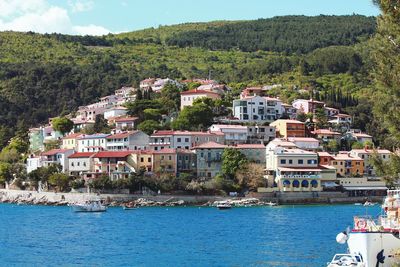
(290,34)
(49,75)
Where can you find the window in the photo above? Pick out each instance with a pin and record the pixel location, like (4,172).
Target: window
(169,157)
(186,139)
(77,163)
(84,164)
(290,161)
(300,161)
(72,164)
(283,161)
(311,161)
(141,159)
(162,157)
(179,140)
(170,167)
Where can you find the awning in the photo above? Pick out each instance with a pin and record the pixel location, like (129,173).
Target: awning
(365,188)
(329,184)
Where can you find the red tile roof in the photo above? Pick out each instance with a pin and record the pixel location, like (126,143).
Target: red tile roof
(325,131)
(250,146)
(55,151)
(121,135)
(82,155)
(126,119)
(198,92)
(72,136)
(113,154)
(210,145)
(165,151)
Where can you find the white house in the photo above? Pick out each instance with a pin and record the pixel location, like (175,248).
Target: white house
(341,119)
(92,143)
(133,140)
(187,97)
(80,163)
(234,134)
(159,84)
(257,109)
(307,106)
(307,143)
(115,112)
(54,156)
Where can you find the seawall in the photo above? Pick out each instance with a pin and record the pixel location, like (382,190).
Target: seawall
(53,198)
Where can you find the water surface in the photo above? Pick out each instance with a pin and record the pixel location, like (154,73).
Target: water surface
(187,236)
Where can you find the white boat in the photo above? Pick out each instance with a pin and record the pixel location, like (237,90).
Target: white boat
(89,206)
(369,204)
(376,240)
(346,260)
(223,205)
(271,204)
(129,208)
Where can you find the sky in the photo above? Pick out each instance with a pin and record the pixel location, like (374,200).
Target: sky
(98,17)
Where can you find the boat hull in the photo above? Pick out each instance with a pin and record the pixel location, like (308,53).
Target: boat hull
(77,208)
(374,245)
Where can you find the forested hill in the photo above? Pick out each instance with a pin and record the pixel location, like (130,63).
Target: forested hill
(44,75)
(291,34)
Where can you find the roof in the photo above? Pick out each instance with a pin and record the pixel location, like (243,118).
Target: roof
(250,146)
(361,135)
(55,151)
(379,151)
(229,126)
(298,151)
(302,139)
(126,119)
(93,136)
(82,155)
(324,154)
(113,154)
(210,145)
(72,136)
(165,151)
(121,135)
(325,131)
(287,121)
(340,115)
(308,169)
(170,132)
(365,187)
(198,92)
(346,157)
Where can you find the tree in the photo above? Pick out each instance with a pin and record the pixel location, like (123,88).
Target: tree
(357,145)
(170,97)
(59,180)
(149,126)
(301,116)
(388,170)
(386,56)
(101,124)
(62,124)
(5,172)
(196,117)
(333,145)
(102,183)
(251,176)
(232,161)
(152,114)
(321,118)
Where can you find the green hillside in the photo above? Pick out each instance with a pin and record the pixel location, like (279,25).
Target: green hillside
(44,75)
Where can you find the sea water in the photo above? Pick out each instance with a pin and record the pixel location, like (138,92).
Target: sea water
(184,236)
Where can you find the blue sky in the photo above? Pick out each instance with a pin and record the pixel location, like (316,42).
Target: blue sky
(102,16)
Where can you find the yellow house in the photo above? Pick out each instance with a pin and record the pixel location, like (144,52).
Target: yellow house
(289,128)
(348,166)
(70,141)
(142,159)
(165,161)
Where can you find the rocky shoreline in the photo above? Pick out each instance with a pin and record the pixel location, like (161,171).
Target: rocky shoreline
(63,199)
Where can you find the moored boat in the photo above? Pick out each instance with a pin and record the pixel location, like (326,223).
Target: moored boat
(346,260)
(376,240)
(224,205)
(89,206)
(129,208)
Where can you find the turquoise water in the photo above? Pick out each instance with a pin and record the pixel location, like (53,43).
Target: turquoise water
(187,236)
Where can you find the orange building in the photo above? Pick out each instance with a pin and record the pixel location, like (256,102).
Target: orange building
(325,158)
(289,128)
(347,165)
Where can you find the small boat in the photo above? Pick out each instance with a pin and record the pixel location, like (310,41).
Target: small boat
(89,206)
(224,206)
(358,204)
(347,260)
(369,204)
(129,208)
(271,204)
